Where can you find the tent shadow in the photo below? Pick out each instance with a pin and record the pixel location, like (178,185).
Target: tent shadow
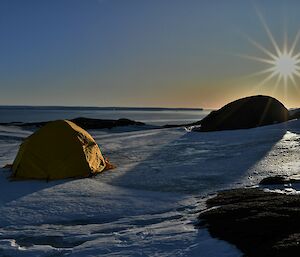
(202,162)
(20,188)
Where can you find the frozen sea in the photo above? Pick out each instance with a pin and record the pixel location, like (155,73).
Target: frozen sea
(148,205)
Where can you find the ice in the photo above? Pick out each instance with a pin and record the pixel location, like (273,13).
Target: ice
(89,218)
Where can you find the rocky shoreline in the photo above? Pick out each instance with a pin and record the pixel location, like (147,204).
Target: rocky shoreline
(259,222)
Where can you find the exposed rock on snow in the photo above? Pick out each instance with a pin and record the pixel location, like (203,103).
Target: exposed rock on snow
(259,223)
(279,179)
(295,114)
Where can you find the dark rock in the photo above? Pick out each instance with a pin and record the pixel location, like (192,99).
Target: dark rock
(274,180)
(249,112)
(295,114)
(88,123)
(277,180)
(259,223)
(85,123)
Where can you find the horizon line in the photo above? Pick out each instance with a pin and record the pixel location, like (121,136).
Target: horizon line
(103,107)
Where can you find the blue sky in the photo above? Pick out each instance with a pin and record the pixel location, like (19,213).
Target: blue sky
(172,53)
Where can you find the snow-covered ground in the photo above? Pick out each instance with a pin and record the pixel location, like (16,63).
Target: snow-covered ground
(148,205)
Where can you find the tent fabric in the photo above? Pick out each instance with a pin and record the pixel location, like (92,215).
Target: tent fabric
(60,149)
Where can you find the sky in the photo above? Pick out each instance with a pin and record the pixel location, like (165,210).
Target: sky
(162,53)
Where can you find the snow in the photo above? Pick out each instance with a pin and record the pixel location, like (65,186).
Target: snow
(90,218)
(148,205)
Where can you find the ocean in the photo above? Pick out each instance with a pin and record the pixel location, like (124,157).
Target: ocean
(152,116)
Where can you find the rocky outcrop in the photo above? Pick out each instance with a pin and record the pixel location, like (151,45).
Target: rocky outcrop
(295,114)
(88,123)
(85,123)
(259,223)
(249,112)
(280,180)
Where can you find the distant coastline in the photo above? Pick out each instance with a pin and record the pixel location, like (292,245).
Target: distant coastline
(28,107)
(149,115)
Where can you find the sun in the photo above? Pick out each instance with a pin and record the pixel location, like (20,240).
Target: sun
(283,62)
(285,65)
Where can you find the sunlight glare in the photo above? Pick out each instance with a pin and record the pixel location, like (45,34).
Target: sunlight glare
(285,65)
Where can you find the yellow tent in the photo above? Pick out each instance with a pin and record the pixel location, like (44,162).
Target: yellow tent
(60,149)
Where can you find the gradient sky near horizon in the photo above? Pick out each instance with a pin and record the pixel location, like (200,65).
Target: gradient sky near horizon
(167,53)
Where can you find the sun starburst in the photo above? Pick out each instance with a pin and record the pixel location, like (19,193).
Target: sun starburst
(283,62)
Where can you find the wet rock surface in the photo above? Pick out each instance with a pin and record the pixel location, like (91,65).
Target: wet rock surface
(259,223)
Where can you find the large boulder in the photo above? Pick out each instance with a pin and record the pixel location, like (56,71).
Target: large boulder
(249,112)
